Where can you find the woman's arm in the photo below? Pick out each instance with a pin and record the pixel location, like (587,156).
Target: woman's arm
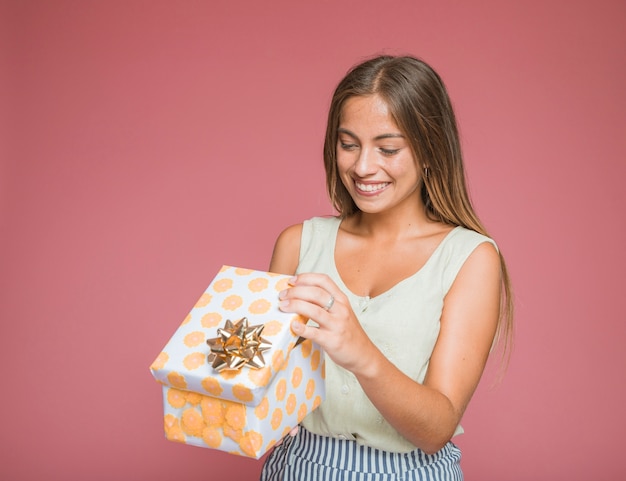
(428,414)
(425,414)
(287,251)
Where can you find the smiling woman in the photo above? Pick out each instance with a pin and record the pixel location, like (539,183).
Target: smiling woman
(407,290)
(375,163)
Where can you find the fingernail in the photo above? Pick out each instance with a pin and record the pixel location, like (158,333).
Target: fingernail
(292,280)
(296,326)
(282,293)
(282,304)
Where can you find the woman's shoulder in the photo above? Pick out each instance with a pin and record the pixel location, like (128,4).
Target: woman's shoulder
(298,238)
(467,237)
(287,250)
(323,221)
(467,250)
(294,232)
(290,235)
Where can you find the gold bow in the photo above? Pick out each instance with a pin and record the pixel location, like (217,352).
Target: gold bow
(238,345)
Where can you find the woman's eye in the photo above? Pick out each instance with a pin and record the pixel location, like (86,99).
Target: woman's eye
(346,146)
(389,151)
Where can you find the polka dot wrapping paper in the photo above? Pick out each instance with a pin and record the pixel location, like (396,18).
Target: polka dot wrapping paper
(242,411)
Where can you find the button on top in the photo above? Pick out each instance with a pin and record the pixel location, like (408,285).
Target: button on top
(345,389)
(364,303)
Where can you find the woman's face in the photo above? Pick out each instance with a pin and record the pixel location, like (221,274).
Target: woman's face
(375,162)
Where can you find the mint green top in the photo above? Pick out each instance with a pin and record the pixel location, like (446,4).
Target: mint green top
(412,307)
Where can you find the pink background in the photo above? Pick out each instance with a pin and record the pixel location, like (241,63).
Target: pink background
(146,143)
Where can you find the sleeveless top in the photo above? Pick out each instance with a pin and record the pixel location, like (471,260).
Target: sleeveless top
(403,323)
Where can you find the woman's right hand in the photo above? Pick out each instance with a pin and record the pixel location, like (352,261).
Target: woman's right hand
(339,333)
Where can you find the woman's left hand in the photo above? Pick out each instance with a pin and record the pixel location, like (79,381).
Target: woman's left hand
(317,297)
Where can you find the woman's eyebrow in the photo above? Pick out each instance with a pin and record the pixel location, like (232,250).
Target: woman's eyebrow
(342,130)
(389,136)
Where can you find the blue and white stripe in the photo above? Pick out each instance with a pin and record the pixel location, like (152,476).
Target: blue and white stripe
(308,456)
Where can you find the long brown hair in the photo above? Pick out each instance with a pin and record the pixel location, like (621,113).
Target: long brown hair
(419,104)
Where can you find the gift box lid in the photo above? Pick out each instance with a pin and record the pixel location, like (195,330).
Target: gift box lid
(236,295)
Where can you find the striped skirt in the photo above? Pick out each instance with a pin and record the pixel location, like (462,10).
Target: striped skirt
(309,456)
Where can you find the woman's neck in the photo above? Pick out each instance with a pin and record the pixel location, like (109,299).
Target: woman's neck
(396,225)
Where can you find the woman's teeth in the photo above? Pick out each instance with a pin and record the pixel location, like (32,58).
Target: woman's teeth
(371,187)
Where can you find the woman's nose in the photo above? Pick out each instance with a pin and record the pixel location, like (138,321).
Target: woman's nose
(365,163)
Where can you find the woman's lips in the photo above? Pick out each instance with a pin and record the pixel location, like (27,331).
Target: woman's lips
(370,187)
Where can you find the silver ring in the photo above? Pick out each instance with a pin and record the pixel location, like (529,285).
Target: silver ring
(330,303)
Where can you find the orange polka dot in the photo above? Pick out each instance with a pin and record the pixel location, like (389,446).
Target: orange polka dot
(306,347)
(315,359)
(212,411)
(310,388)
(282,284)
(170,421)
(317,401)
(270,443)
(236,415)
(296,377)
(290,407)
(193,398)
(278,359)
(281,389)
(243,272)
(232,302)
(212,386)
(176,398)
(272,328)
(177,380)
(225,268)
(243,393)
(228,374)
(277,418)
(286,431)
(232,433)
(192,422)
(257,285)
(160,361)
(212,437)
(260,377)
(223,285)
(176,435)
(173,431)
(262,409)
(194,339)
(194,360)
(186,319)
(212,319)
(204,300)
(260,306)
(251,443)
(302,412)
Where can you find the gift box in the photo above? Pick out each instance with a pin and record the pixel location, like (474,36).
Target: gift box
(235,377)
